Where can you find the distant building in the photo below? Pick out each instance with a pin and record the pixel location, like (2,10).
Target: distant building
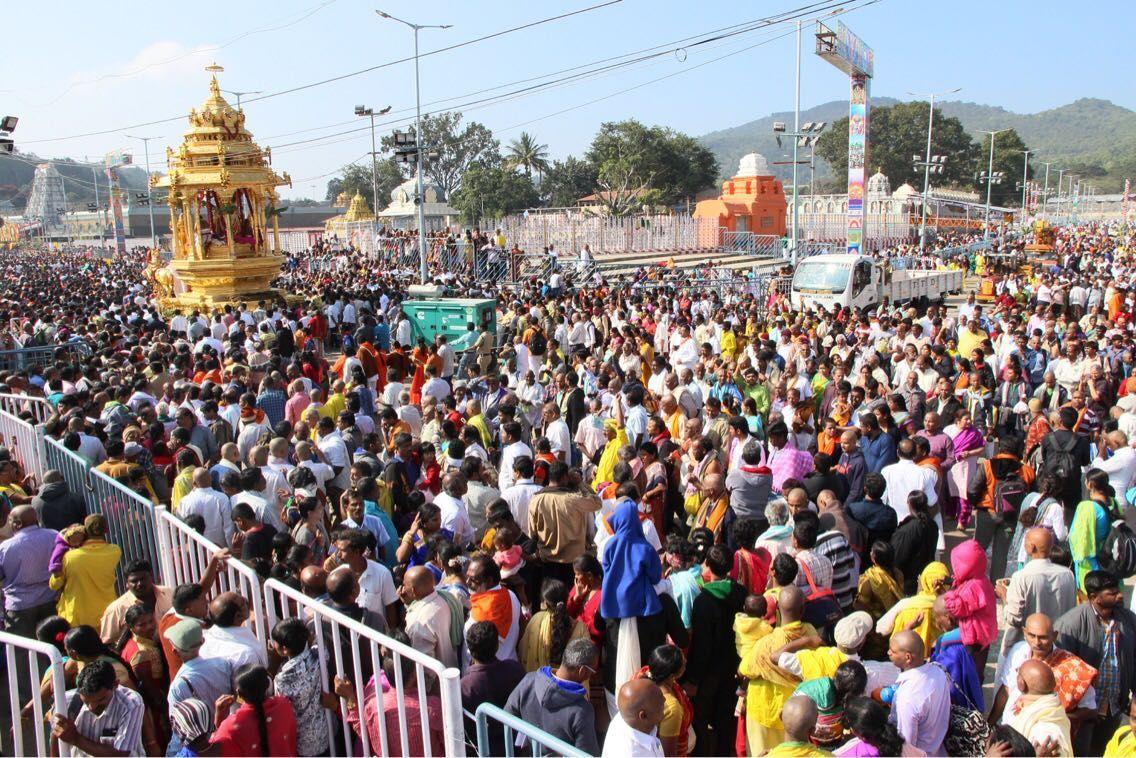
(752,201)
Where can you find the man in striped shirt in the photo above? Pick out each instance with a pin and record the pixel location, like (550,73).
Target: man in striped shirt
(108,718)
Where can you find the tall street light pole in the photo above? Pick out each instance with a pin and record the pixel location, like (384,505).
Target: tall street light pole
(1045,190)
(796,130)
(989,181)
(423,273)
(927,162)
(149,198)
(1025,181)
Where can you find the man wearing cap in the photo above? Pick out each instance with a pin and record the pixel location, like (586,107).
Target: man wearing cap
(203,678)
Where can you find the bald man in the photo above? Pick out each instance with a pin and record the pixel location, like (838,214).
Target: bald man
(24,576)
(921,707)
(212,506)
(1041,718)
(714,510)
(430,615)
(229,637)
(1039,586)
(1073,677)
(632,731)
(770,686)
(799,715)
(313,581)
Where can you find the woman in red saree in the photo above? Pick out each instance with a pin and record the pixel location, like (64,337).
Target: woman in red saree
(751,565)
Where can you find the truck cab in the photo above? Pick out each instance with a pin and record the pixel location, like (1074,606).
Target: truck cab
(851,281)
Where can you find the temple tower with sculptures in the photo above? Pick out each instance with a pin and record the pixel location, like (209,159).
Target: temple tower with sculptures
(224,212)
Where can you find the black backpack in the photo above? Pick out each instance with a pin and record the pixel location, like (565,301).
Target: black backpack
(539,343)
(1061,462)
(1119,552)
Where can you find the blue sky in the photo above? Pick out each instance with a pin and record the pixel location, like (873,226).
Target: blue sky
(98,66)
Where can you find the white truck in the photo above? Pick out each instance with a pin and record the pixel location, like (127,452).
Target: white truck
(857,281)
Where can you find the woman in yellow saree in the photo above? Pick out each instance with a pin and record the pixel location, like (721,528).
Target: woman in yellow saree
(916,614)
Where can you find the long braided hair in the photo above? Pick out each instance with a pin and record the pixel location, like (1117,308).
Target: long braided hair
(253,685)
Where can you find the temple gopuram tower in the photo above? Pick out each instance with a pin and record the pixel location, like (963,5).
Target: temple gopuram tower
(223,212)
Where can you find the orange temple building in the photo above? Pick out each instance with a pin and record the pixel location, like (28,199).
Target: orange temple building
(752,201)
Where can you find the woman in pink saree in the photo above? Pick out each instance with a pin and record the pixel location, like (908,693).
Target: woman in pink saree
(967,443)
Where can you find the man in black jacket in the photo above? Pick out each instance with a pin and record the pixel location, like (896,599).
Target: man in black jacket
(712,666)
(56,506)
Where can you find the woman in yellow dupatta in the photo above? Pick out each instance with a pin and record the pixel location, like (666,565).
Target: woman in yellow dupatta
(616,439)
(916,614)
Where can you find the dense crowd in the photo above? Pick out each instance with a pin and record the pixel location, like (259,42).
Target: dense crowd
(648,521)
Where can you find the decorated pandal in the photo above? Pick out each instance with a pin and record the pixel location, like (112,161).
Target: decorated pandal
(223,206)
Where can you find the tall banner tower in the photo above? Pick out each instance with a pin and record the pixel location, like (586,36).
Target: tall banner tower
(848,53)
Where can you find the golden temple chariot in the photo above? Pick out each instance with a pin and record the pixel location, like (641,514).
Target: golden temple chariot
(223,203)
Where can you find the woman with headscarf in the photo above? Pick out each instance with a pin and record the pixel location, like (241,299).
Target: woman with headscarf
(636,616)
(914,613)
(616,439)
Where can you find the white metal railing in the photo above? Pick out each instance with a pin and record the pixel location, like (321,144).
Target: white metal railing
(333,632)
(15,646)
(25,442)
(541,740)
(40,409)
(185,555)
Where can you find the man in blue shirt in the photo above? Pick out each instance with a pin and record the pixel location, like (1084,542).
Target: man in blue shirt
(24,574)
(878,448)
(382,334)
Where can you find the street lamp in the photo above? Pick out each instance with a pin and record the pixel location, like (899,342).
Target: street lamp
(418,132)
(806,135)
(239,95)
(991,178)
(1025,181)
(927,163)
(149,199)
(362,110)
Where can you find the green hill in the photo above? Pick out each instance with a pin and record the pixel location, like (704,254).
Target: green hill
(1092,137)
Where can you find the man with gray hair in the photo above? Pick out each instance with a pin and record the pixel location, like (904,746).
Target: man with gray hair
(557,700)
(55,505)
(454,514)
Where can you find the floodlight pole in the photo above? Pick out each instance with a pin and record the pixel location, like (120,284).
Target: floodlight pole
(149,198)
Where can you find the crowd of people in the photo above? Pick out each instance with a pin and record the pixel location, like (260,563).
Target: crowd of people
(677,521)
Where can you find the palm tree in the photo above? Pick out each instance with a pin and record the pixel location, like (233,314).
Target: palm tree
(525,152)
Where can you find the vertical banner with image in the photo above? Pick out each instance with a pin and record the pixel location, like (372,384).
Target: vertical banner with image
(857,160)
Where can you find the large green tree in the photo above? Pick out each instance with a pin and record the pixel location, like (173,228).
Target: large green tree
(897,134)
(490,190)
(674,164)
(1008,160)
(457,148)
(356,178)
(567,181)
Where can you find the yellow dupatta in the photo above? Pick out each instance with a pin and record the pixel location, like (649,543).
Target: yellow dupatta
(605,471)
(921,604)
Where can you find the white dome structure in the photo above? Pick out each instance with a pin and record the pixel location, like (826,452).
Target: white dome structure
(878,185)
(904,191)
(753,164)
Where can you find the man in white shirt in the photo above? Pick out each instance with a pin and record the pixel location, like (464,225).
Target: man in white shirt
(512,449)
(435,388)
(905,476)
(306,457)
(212,506)
(556,430)
(392,391)
(335,453)
(519,495)
(454,516)
(228,638)
(632,731)
(1120,465)
(376,585)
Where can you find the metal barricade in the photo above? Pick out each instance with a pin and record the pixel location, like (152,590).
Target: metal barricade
(541,740)
(15,646)
(130,520)
(339,638)
(17,405)
(25,442)
(185,555)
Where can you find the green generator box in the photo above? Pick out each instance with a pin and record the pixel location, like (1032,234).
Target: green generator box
(449,316)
